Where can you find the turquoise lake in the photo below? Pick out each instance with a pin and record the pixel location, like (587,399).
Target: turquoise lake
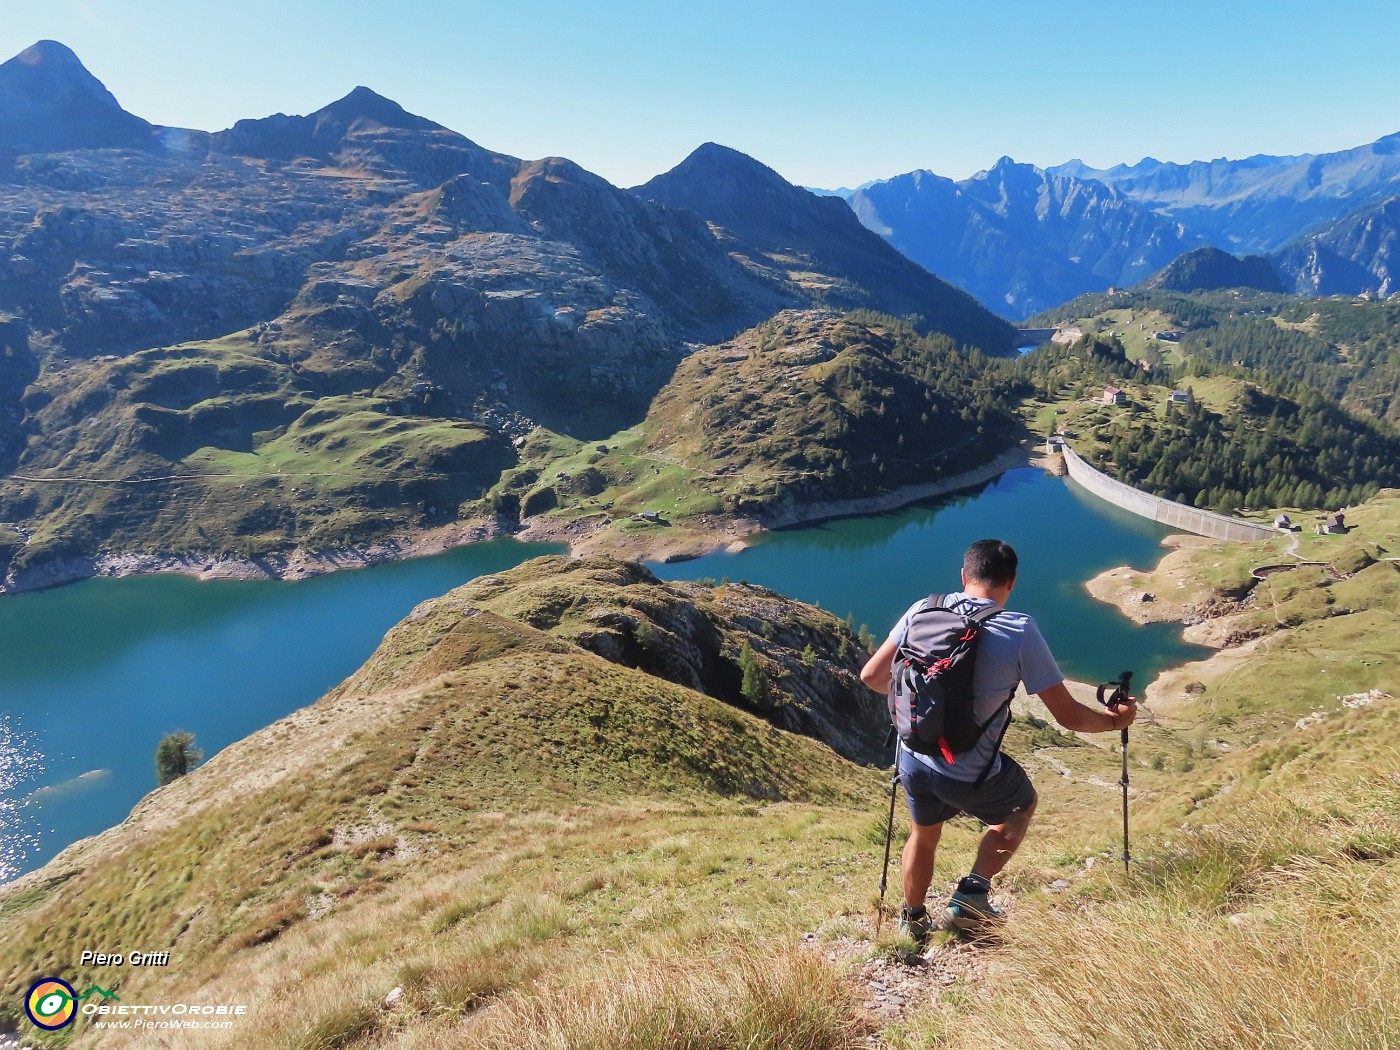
(875,567)
(95,673)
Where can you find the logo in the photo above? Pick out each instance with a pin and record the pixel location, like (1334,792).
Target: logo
(51,1003)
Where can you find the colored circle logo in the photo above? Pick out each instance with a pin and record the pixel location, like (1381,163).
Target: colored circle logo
(51,1004)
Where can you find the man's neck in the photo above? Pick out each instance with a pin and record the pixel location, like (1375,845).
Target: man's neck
(987,592)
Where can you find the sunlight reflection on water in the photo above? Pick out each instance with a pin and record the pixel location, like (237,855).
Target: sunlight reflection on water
(20,762)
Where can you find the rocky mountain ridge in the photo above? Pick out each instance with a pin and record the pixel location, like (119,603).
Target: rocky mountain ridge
(1261,203)
(360,286)
(813,242)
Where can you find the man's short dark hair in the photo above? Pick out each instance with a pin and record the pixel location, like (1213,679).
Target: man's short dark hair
(991,562)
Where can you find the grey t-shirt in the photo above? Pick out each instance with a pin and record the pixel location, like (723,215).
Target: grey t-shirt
(1011,650)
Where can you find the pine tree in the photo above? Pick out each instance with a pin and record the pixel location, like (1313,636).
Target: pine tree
(176,755)
(754,688)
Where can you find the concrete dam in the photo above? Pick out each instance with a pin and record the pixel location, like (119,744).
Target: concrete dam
(1165,511)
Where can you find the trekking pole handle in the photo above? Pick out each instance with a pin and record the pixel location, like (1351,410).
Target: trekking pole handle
(1121,694)
(1121,690)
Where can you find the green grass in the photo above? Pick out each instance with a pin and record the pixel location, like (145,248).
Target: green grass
(539,847)
(217,448)
(566,818)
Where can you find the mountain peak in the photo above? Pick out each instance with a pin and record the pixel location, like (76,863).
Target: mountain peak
(711,151)
(50,52)
(365,104)
(49,102)
(336,126)
(711,160)
(1209,269)
(814,242)
(1008,166)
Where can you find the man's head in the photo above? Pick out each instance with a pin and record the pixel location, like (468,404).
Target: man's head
(989,563)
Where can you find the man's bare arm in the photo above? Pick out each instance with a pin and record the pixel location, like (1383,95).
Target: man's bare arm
(1080,718)
(876,672)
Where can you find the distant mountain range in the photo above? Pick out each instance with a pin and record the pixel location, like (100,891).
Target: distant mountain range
(1023,239)
(1018,238)
(1262,203)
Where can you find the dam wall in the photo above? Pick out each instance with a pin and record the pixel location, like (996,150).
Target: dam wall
(1165,511)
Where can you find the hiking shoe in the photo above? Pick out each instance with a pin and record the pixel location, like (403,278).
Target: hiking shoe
(971,911)
(915,923)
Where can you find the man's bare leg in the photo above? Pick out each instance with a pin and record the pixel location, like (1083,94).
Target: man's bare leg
(916,862)
(999,843)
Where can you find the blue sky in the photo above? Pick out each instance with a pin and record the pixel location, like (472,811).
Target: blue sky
(825,93)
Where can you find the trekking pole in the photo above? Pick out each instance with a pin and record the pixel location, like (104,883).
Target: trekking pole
(885,872)
(1120,694)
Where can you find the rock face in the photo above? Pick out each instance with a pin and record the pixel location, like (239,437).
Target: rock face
(1358,253)
(207,306)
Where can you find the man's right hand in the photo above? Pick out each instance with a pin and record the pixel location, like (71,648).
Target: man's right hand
(1124,713)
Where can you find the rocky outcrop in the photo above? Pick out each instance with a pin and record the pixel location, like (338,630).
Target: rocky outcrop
(693,635)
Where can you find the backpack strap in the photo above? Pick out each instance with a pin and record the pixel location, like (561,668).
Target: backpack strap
(978,618)
(996,751)
(981,616)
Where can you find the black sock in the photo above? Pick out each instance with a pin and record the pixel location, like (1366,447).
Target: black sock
(915,913)
(973,883)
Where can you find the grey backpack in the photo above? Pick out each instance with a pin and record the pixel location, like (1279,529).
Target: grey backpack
(930,694)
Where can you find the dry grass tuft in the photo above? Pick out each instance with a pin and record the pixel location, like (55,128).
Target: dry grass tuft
(1129,977)
(790,1000)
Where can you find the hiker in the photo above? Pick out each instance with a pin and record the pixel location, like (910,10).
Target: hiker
(982,781)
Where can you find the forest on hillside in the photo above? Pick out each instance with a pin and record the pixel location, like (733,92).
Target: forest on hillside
(1280,442)
(1346,349)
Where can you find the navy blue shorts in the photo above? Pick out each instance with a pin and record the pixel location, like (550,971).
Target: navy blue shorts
(933,797)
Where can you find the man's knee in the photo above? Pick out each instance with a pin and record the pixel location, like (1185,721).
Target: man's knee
(1016,825)
(925,836)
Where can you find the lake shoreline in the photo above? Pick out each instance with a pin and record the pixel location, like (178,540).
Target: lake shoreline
(585,536)
(1176,596)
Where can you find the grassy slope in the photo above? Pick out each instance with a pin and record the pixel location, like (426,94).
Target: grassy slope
(239,446)
(541,848)
(810,406)
(1269,877)
(222,447)
(484,802)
